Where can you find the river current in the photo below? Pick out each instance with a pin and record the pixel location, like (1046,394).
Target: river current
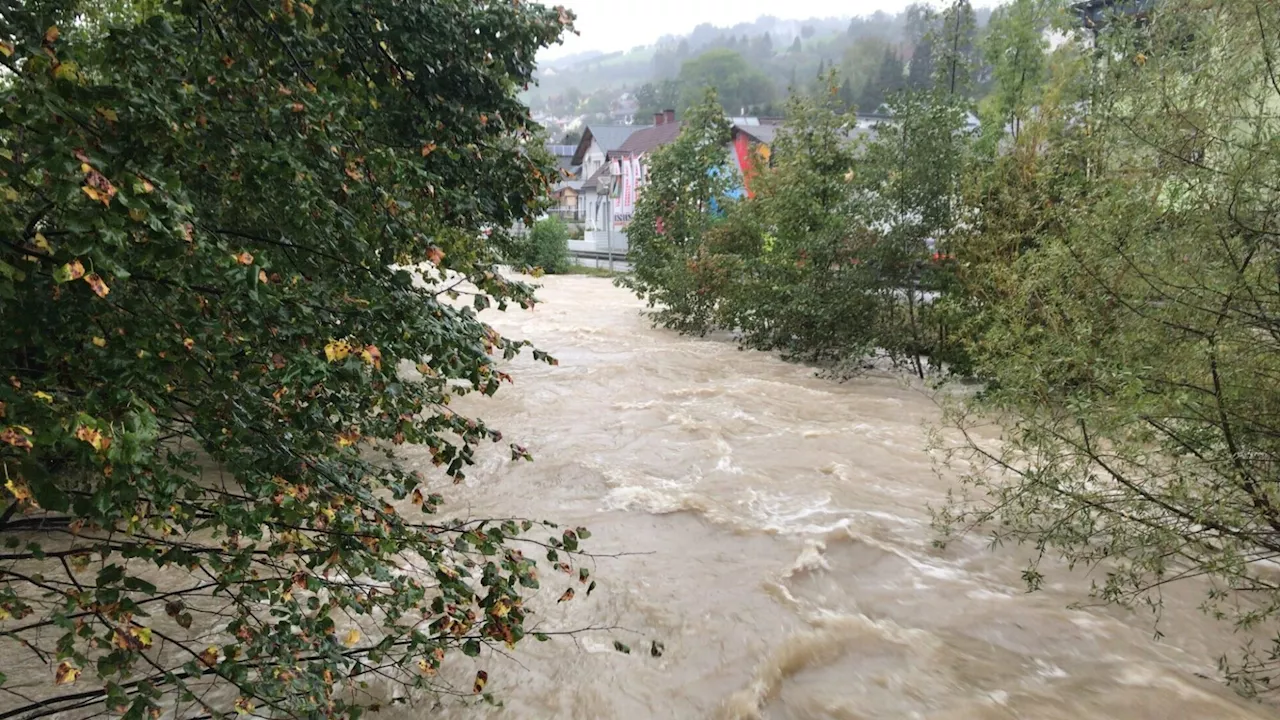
(776,557)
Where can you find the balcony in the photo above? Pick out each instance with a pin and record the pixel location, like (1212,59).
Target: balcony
(568,213)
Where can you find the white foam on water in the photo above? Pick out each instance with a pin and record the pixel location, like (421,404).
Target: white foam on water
(831,636)
(810,559)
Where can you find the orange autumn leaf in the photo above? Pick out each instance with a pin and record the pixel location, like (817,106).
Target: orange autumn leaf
(371,355)
(435,255)
(349,438)
(73,270)
(98,187)
(209,656)
(426,668)
(244,258)
(188,343)
(16,435)
(51,36)
(428,149)
(95,282)
(93,437)
(567,596)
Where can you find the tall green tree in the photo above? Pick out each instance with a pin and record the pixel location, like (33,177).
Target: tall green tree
(673,213)
(1130,345)
(1015,49)
(736,83)
(215,342)
(889,79)
(789,259)
(955,49)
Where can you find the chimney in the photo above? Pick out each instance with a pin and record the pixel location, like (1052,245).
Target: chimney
(668,116)
(659,118)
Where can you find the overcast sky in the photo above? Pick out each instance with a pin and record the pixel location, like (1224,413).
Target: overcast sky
(610,25)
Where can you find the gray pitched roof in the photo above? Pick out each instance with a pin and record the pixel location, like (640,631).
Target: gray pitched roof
(648,139)
(759,133)
(608,137)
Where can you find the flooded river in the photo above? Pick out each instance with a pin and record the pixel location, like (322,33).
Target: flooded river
(785,560)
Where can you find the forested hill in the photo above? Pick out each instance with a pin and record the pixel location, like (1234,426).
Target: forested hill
(753,65)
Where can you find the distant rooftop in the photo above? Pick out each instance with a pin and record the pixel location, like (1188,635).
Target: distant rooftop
(608,137)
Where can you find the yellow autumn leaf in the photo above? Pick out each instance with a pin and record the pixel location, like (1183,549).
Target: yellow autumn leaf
(337,350)
(99,341)
(243,706)
(352,637)
(143,634)
(137,214)
(91,192)
(66,71)
(42,395)
(6,49)
(65,674)
(107,113)
(51,35)
(19,490)
(41,242)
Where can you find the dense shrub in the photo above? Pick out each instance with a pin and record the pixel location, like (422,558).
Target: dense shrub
(546,246)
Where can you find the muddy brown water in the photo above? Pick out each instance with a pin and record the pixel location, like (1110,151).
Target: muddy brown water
(788,569)
(771,531)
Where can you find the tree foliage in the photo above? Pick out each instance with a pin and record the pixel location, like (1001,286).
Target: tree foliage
(1122,266)
(735,82)
(672,214)
(545,247)
(830,260)
(211,340)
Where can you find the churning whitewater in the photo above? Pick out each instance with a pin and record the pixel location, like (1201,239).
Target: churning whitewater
(774,536)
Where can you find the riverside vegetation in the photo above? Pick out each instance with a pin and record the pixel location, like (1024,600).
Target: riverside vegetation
(1101,256)
(211,350)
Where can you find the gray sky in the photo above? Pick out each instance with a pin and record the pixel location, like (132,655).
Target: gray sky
(610,25)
